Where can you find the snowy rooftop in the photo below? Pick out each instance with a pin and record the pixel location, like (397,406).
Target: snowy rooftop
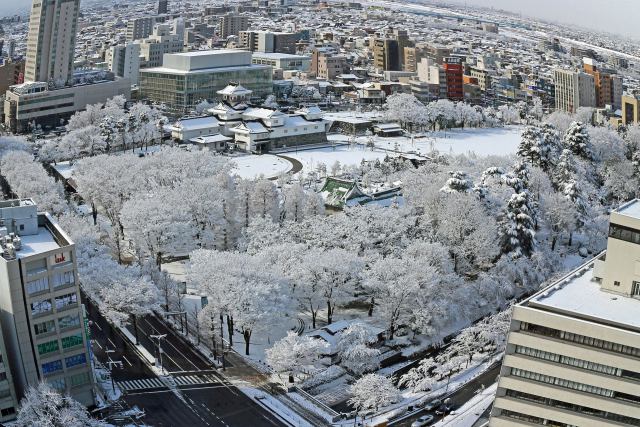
(37,243)
(579,295)
(631,209)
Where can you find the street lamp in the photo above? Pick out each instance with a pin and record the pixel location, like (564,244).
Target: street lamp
(159,337)
(222,341)
(111,364)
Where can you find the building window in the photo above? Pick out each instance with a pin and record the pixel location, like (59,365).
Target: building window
(79,379)
(48,347)
(66,300)
(3,376)
(58,384)
(71,321)
(79,359)
(616,283)
(40,307)
(635,289)
(38,285)
(8,411)
(51,367)
(63,279)
(71,341)
(44,327)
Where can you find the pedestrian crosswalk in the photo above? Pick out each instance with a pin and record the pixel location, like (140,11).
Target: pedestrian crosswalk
(156,383)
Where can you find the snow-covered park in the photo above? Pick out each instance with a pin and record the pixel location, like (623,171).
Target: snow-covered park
(265,165)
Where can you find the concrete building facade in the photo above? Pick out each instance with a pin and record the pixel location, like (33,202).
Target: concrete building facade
(124,61)
(269,41)
(231,24)
(573,350)
(51,41)
(160,42)
(574,89)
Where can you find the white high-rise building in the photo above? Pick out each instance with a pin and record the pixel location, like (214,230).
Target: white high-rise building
(574,89)
(124,61)
(573,351)
(52,40)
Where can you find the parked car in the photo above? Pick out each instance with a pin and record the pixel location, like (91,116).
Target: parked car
(424,420)
(433,405)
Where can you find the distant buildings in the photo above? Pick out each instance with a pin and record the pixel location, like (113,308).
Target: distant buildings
(188,78)
(231,24)
(11,73)
(453,74)
(163,6)
(327,64)
(608,85)
(43,323)
(140,28)
(389,50)
(124,61)
(631,109)
(573,350)
(51,41)
(282,61)
(269,41)
(161,41)
(574,89)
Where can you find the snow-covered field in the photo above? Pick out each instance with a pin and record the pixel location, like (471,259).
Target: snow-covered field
(347,156)
(266,165)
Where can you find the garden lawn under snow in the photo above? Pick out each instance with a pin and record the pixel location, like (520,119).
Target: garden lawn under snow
(346,155)
(254,166)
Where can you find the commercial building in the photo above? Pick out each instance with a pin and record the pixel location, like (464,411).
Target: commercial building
(159,42)
(573,89)
(231,24)
(187,78)
(42,318)
(386,54)
(33,103)
(573,350)
(282,61)
(453,73)
(124,61)
(608,85)
(631,108)
(51,41)
(269,41)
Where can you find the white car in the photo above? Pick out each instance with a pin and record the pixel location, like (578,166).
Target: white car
(424,420)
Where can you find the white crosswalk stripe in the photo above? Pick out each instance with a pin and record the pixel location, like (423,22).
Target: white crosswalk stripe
(195,379)
(141,384)
(151,383)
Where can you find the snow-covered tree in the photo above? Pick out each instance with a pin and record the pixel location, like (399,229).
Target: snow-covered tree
(42,406)
(518,226)
(372,392)
(558,212)
(577,140)
(296,354)
(458,183)
(356,352)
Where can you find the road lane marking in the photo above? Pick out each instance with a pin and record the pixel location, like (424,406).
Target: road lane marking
(127,360)
(174,347)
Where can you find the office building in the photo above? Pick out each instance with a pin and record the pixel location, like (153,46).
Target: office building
(386,56)
(160,42)
(269,41)
(34,102)
(631,109)
(608,85)
(573,350)
(42,318)
(163,7)
(187,78)
(453,74)
(574,89)
(51,41)
(11,48)
(139,28)
(483,76)
(124,61)
(231,24)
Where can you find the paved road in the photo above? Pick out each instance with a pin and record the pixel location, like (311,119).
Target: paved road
(297,165)
(461,396)
(200,396)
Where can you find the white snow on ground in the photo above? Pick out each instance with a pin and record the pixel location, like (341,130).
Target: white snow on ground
(64,169)
(470,412)
(253,166)
(274,405)
(482,141)
(347,156)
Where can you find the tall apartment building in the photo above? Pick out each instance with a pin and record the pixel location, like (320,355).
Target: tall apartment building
(483,76)
(42,318)
(51,41)
(269,41)
(160,42)
(11,73)
(139,28)
(163,7)
(124,61)
(389,50)
(574,89)
(231,24)
(608,85)
(573,350)
(11,48)
(453,73)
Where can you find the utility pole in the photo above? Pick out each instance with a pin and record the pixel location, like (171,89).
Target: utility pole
(222,341)
(158,338)
(111,364)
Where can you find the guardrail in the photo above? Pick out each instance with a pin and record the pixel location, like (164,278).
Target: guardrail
(335,416)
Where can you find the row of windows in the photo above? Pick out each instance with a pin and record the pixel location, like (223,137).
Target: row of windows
(62,301)
(623,233)
(76,380)
(56,365)
(575,408)
(65,278)
(64,322)
(53,346)
(531,419)
(580,339)
(566,360)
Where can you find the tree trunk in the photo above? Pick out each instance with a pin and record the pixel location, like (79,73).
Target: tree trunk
(553,242)
(247,338)
(159,260)
(313,318)
(570,238)
(392,329)
(329,313)
(94,213)
(230,329)
(373,302)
